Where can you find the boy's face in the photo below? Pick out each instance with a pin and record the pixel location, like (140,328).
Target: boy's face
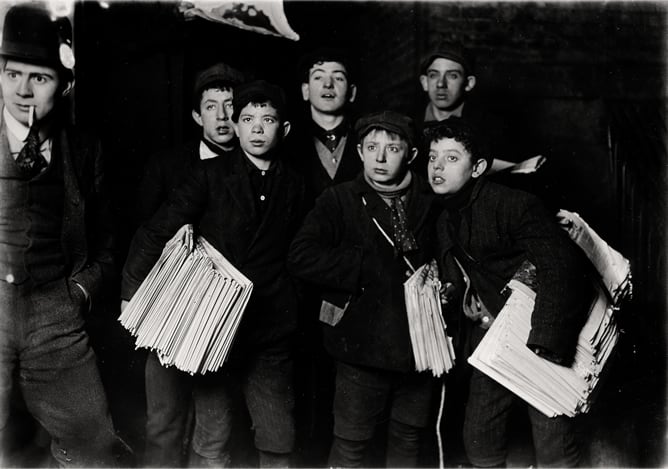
(385,157)
(260,129)
(215,113)
(328,88)
(446,83)
(451,166)
(24,85)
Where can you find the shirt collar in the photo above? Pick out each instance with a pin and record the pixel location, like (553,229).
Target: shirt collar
(17,129)
(205,153)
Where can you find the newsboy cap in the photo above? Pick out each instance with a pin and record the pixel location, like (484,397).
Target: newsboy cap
(258,91)
(452,51)
(390,121)
(217,73)
(29,34)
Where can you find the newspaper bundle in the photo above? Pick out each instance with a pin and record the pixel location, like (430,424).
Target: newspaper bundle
(189,306)
(553,389)
(432,347)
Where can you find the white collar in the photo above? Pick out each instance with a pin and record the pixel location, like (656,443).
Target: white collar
(205,153)
(17,129)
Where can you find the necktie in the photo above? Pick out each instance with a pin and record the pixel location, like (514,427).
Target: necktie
(30,159)
(403,238)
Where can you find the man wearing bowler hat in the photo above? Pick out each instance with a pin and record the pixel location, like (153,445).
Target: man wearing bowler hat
(55,245)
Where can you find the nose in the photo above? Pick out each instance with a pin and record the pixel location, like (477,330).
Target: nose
(227,113)
(381,156)
(437,164)
(24,89)
(328,83)
(442,82)
(257,128)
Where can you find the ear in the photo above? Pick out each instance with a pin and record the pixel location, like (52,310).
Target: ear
(359,151)
(286,128)
(68,88)
(305,91)
(470,83)
(412,155)
(424,82)
(479,168)
(352,93)
(197,118)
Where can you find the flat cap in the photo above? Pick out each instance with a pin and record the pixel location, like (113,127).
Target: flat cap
(218,73)
(258,91)
(451,51)
(391,121)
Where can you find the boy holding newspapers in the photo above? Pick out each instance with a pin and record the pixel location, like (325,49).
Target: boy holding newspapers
(360,243)
(247,205)
(489,234)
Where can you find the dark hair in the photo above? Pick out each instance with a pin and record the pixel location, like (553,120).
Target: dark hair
(222,85)
(322,55)
(259,92)
(460,130)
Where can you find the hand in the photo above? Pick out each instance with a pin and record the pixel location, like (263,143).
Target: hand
(124,303)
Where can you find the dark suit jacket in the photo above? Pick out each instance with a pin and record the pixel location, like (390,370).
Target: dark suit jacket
(498,228)
(305,160)
(163,172)
(216,197)
(87,228)
(340,249)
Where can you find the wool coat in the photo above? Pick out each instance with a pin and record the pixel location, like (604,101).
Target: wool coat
(217,198)
(493,233)
(340,249)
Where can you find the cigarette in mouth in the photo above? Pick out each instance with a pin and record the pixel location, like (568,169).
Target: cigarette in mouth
(31,115)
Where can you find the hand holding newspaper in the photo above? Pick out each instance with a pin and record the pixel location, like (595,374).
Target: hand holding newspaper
(189,306)
(432,347)
(553,389)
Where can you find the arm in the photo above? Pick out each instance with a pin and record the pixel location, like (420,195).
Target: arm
(99,269)
(185,205)
(317,254)
(563,287)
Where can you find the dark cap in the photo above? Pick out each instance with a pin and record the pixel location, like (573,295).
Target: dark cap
(29,34)
(325,54)
(218,74)
(452,51)
(258,91)
(387,120)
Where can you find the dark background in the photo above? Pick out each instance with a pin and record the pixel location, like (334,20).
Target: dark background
(581,83)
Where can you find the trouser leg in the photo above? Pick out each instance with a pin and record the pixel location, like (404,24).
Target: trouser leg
(555,440)
(60,380)
(168,393)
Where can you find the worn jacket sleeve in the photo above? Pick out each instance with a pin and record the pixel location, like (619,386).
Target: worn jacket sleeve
(320,255)
(99,269)
(184,205)
(563,289)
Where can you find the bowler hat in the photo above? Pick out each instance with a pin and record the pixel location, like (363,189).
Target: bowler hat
(218,73)
(451,51)
(258,91)
(391,121)
(29,34)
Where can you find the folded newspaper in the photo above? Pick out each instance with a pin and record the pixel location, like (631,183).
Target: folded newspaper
(189,306)
(432,347)
(553,389)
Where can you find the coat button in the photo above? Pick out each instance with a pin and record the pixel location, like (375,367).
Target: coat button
(9,278)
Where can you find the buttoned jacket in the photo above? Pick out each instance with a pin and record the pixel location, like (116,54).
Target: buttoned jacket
(87,234)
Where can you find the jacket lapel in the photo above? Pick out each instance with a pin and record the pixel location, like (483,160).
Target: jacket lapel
(238,183)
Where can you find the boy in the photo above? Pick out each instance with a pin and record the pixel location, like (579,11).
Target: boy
(324,149)
(247,205)
(491,231)
(168,390)
(212,112)
(342,250)
(56,245)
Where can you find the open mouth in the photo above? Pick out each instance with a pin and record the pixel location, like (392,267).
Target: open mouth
(328,96)
(437,180)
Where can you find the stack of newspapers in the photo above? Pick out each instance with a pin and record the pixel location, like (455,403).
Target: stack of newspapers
(189,306)
(553,389)
(432,347)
